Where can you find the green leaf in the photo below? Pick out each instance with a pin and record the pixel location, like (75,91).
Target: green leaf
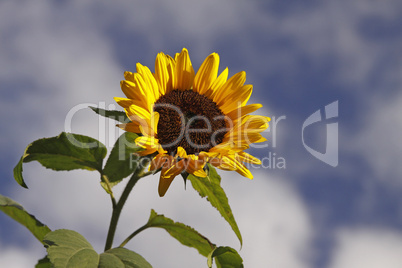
(18,213)
(210,187)
(183,233)
(64,152)
(225,257)
(44,263)
(122,257)
(107,260)
(121,162)
(115,115)
(69,249)
(18,173)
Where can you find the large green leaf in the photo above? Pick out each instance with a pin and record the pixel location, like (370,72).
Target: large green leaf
(122,162)
(225,257)
(107,260)
(183,233)
(115,115)
(210,187)
(122,257)
(69,249)
(18,213)
(64,152)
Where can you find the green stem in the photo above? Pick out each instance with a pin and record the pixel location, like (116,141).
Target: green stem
(119,206)
(109,187)
(133,234)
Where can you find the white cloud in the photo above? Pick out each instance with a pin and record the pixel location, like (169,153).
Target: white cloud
(51,63)
(369,248)
(274,221)
(20,258)
(378,140)
(334,29)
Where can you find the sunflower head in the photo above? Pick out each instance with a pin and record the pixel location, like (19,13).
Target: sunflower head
(187,119)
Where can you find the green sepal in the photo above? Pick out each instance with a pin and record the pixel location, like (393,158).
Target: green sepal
(210,187)
(65,152)
(19,214)
(184,174)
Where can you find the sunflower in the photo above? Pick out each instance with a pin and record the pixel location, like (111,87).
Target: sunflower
(187,119)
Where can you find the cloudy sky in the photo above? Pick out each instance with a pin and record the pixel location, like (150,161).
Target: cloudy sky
(56,58)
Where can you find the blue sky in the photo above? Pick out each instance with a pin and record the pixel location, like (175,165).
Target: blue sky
(300,57)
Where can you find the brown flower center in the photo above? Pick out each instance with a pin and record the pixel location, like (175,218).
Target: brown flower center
(190,120)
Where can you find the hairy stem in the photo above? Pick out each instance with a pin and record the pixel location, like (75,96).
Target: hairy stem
(119,205)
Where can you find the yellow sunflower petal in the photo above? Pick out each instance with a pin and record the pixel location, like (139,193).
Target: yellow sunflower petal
(181,152)
(200,173)
(156,162)
(206,156)
(134,110)
(241,111)
(132,91)
(240,168)
(168,175)
(251,123)
(234,83)
(217,84)
(149,80)
(223,163)
(236,98)
(148,143)
(149,127)
(160,161)
(207,74)
(175,169)
(184,71)
(195,166)
(145,89)
(218,164)
(130,127)
(129,76)
(257,124)
(228,145)
(155,121)
(248,158)
(171,67)
(146,152)
(123,102)
(162,73)
(240,139)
